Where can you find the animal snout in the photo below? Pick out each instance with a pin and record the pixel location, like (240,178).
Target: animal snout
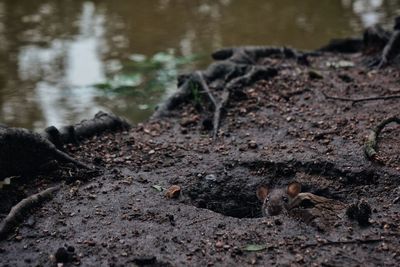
(274,210)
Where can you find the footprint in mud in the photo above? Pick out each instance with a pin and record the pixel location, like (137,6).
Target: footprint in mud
(317,211)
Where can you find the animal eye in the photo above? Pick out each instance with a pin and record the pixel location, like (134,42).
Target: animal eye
(285,199)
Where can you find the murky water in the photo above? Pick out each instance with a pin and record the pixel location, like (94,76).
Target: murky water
(52,52)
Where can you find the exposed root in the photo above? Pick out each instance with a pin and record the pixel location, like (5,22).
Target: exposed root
(370,148)
(235,69)
(218,111)
(218,106)
(71,134)
(206,88)
(180,96)
(101,123)
(255,74)
(356,100)
(78,163)
(23,152)
(377,40)
(18,211)
(251,54)
(348,45)
(391,50)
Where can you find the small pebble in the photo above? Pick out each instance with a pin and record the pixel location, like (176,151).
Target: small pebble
(219,244)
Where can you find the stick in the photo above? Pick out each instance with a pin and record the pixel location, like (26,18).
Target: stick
(370,148)
(17,212)
(356,100)
(199,221)
(345,242)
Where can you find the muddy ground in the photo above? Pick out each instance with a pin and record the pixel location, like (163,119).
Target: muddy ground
(283,129)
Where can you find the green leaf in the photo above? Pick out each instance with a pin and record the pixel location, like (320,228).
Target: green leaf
(254,247)
(102,86)
(158,188)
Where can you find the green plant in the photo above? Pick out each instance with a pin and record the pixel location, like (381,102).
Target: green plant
(142,75)
(195,93)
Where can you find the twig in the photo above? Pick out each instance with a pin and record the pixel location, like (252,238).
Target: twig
(343,191)
(356,100)
(17,212)
(370,148)
(344,242)
(199,221)
(288,95)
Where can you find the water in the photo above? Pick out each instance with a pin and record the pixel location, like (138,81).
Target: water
(52,52)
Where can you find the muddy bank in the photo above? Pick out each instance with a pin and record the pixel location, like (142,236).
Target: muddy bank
(294,121)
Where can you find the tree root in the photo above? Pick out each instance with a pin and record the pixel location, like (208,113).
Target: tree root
(218,106)
(255,74)
(206,89)
(249,55)
(370,148)
(17,212)
(71,134)
(235,67)
(386,43)
(348,45)
(218,112)
(391,50)
(356,100)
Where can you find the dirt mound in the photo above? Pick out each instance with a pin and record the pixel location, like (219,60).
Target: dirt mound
(298,124)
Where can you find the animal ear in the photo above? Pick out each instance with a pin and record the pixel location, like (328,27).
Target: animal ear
(293,189)
(262,192)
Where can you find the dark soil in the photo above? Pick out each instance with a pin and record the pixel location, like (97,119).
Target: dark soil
(280,130)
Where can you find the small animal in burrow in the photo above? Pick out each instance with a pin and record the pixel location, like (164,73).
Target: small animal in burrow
(318,211)
(278,200)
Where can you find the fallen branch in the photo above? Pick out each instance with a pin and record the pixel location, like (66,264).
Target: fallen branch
(372,142)
(17,212)
(356,100)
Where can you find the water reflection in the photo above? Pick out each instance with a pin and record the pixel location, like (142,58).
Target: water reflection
(65,69)
(84,52)
(52,51)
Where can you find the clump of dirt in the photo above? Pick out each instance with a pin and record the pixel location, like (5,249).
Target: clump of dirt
(291,126)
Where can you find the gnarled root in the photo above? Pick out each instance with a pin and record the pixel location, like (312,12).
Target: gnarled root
(18,211)
(370,148)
